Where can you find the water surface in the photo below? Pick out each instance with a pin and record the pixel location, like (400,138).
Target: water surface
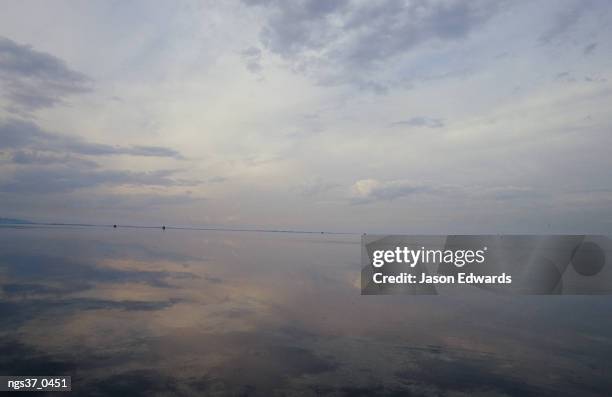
(146,312)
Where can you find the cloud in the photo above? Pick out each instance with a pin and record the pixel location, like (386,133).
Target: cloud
(368,190)
(29,157)
(343,41)
(509,192)
(314,187)
(567,18)
(65,179)
(148,201)
(589,48)
(50,163)
(216,179)
(33,80)
(19,134)
(70,272)
(252,57)
(421,121)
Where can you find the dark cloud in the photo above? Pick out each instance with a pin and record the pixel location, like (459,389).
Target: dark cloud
(20,134)
(421,121)
(32,80)
(345,39)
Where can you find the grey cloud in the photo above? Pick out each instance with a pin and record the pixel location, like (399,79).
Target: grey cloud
(52,163)
(342,40)
(64,179)
(216,179)
(421,121)
(567,18)
(76,273)
(19,134)
(139,201)
(369,190)
(314,187)
(595,79)
(368,85)
(32,80)
(510,192)
(100,205)
(252,58)
(392,27)
(561,24)
(570,77)
(294,27)
(27,157)
(97,149)
(372,190)
(153,151)
(589,48)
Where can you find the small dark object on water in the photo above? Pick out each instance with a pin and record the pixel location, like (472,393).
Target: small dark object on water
(115,226)
(164,227)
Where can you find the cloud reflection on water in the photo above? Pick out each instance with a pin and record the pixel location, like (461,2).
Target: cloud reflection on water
(186,313)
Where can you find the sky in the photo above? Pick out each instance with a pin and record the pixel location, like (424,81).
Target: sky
(343,115)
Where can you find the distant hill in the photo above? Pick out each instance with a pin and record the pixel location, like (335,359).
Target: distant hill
(12,221)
